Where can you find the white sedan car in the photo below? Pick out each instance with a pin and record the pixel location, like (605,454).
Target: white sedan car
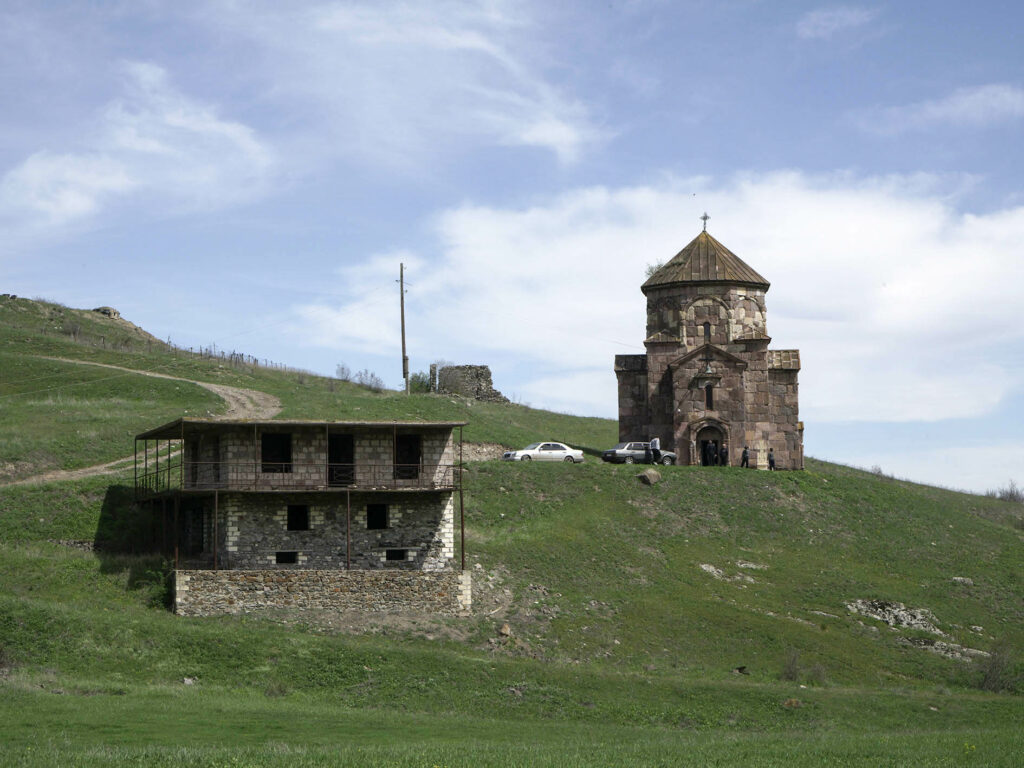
(545,452)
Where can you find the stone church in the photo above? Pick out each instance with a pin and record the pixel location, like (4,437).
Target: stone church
(708,381)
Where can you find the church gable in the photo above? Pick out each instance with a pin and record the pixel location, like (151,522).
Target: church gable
(711,352)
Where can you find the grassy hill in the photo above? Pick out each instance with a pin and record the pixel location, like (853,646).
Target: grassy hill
(629,606)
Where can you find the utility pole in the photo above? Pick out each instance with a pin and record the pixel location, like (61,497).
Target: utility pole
(401,298)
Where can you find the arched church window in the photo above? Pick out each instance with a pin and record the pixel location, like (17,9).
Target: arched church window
(707,333)
(709,398)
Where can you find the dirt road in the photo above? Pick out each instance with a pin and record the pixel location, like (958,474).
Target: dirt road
(242,404)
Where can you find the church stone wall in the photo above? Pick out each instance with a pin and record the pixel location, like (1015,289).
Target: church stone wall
(681,311)
(631,372)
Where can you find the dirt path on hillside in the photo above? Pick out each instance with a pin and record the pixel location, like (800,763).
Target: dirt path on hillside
(242,404)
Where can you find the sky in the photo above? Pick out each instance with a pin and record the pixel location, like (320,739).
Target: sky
(250,174)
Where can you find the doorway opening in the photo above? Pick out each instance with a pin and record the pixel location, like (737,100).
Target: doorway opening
(341,460)
(710,442)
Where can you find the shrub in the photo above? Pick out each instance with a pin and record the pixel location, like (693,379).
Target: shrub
(370,380)
(419,382)
(1012,493)
(998,670)
(791,666)
(342,372)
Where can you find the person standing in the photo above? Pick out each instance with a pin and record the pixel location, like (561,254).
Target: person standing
(723,456)
(745,458)
(771,459)
(656,449)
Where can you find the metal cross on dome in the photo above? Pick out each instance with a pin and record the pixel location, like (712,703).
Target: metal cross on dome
(705,218)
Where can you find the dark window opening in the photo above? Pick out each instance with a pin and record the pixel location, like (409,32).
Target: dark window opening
(707,333)
(298,517)
(215,454)
(376,516)
(192,452)
(276,452)
(709,398)
(286,558)
(408,453)
(394,554)
(341,460)
(191,537)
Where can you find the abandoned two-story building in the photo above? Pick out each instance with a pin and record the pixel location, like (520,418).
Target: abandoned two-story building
(708,385)
(332,515)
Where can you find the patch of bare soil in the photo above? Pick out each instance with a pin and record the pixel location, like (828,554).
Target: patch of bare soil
(11,469)
(482,451)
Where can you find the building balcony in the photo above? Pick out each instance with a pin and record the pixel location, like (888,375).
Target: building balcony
(173,474)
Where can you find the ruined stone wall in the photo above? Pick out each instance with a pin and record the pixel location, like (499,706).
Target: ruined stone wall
(469,381)
(254,528)
(211,593)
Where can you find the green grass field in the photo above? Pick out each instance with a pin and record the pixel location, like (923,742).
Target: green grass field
(629,606)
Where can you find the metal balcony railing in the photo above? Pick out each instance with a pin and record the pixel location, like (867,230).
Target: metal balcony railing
(294,476)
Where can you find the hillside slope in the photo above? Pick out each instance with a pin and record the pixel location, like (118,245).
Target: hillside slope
(628,607)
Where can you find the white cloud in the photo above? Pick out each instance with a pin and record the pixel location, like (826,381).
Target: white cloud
(367,322)
(975,107)
(903,308)
(61,188)
(400,82)
(154,142)
(824,23)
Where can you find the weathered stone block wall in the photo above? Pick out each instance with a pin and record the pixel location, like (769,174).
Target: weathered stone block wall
(631,372)
(210,593)
(469,381)
(233,459)
(239,453)
(785,414)
(681,311)
(255,528)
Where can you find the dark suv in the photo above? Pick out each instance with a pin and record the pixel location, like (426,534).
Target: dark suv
(635,453)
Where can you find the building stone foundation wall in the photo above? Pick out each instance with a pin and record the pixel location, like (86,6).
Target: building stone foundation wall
(215,593)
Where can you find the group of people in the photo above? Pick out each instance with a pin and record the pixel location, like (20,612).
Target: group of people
(713,454)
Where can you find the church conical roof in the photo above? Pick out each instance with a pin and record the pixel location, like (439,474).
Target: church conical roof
(705,260)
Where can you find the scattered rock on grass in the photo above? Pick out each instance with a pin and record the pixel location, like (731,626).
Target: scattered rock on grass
(649,476)
(897,615)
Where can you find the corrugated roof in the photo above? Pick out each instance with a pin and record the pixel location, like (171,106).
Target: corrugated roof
(788,359)
(705,260)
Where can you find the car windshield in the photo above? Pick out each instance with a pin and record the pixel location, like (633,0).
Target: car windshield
(531,446)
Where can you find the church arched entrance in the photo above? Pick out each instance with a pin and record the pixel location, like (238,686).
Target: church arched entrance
(709,443)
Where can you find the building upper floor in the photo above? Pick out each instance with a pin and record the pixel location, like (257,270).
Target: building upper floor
(201,455)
